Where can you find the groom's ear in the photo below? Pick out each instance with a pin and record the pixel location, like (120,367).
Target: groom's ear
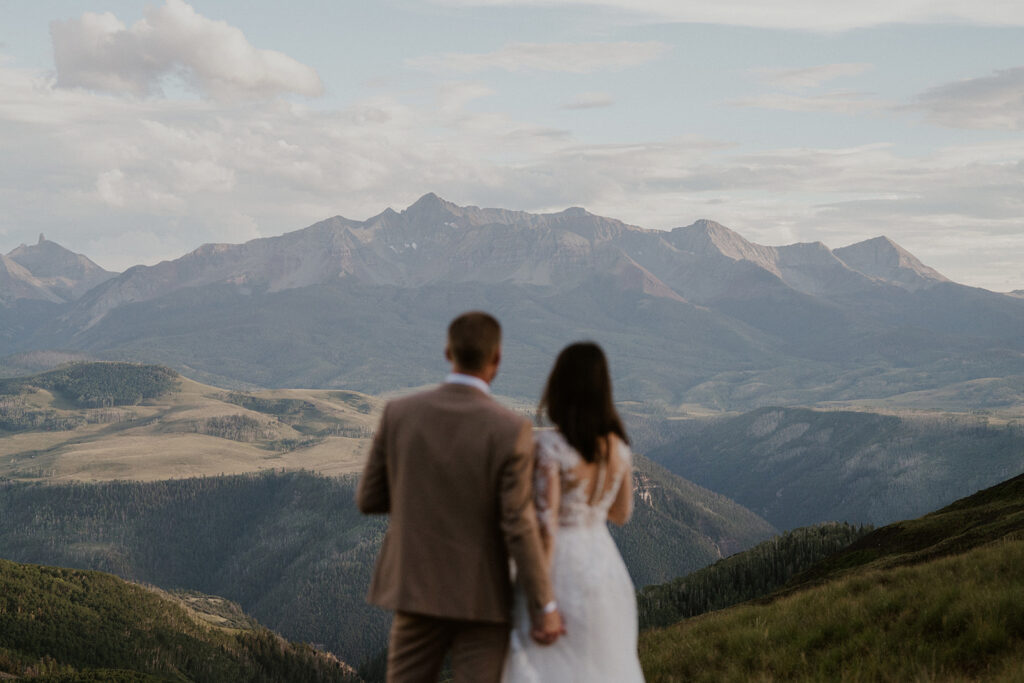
(448,353)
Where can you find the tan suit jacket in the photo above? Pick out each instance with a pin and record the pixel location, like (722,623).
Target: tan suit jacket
(453,469)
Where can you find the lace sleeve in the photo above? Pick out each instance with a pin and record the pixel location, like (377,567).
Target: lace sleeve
(547,492)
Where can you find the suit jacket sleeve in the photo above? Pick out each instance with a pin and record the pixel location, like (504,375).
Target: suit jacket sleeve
(519,522)
(372,493)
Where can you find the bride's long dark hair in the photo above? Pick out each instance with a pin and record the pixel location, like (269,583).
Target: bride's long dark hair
(578,399)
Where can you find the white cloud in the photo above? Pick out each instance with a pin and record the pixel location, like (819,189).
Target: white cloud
(815,15)
(173,41)
(833,102)
(809,77)
(995,102)
(138,191)
(453,96)
(133,180)
(590,100)
(577,58)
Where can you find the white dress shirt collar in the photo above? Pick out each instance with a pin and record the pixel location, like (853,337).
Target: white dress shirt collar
(468,380)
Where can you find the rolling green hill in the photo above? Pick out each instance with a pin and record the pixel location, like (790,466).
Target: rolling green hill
(98,385)
(73,625)
(797,466)
(94,421)
(940,598)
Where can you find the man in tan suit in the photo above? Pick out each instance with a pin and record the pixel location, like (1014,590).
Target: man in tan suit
(453,469)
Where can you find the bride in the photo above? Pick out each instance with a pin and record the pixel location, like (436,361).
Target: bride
(583,477)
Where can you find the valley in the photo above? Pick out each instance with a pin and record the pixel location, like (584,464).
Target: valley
(800,466)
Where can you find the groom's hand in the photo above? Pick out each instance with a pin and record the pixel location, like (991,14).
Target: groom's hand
(548,627)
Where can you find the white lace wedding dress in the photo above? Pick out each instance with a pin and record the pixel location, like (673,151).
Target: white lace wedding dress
(591,584)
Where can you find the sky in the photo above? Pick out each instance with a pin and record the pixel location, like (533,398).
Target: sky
(135,131)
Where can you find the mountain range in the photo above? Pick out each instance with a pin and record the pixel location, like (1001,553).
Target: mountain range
(693,315)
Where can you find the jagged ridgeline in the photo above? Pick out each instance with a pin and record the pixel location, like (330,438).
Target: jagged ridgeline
(294,551)
(695,315)
(937,598)
(73,625)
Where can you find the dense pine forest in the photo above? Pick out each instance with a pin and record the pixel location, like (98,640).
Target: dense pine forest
(98,385)
(72,625)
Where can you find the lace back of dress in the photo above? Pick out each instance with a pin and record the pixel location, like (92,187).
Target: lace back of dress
(576,507)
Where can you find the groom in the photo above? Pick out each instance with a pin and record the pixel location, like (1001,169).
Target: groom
(453,469)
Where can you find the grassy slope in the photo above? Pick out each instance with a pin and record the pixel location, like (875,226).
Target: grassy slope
(957,618)
(937,598)
(163,437)
(988,516)
(80,625)
(744,576)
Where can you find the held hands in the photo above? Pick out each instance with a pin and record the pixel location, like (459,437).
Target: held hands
(547,627)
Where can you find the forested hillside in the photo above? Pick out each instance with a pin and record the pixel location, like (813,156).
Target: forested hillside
(797,466)
(98,385)
(293,550)
(747,575)
(991,516)
(937,598)
(73,625)
(678,526)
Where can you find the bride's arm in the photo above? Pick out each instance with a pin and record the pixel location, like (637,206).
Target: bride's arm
(622,507)
(548,496)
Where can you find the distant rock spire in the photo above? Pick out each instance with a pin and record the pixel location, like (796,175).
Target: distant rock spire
(42,238)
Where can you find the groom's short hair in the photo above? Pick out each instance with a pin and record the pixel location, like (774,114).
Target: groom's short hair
(473,340)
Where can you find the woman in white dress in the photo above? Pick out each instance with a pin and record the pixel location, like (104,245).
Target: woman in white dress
(583,478)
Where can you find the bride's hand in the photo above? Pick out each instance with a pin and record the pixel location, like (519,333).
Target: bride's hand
(547,627)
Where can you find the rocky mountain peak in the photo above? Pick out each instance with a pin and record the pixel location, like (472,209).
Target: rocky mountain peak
(882,258)
(49,259)
(16,282)
(63,272)
(430,206)
(706,237)
(576,212)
